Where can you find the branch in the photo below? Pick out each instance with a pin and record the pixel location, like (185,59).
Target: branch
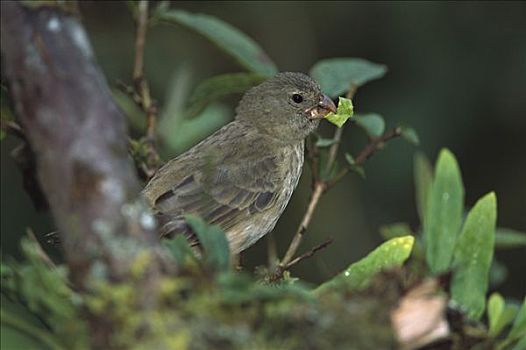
(374,145)
(142,89)
(309,253)
(79,138)
(319,187)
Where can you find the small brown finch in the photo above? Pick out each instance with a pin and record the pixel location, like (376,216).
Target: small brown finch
(242,177)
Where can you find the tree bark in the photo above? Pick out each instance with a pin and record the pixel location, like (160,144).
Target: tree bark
(79,138)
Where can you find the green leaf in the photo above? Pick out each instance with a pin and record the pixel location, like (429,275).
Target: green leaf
(322,142)
(229,39)
(423,175)
(499,314)
(213,241)
(443,216)
(344,112)
(521,344)
(388,255)
(507,238)
(473,256)
(372,123)
(410,135)
(220,86)
(338,75)
(350,159)
(135,116)
(22,330)
(518,329)
(180,250)
(397,229)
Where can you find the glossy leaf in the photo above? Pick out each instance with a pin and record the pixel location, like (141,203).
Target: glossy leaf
(220,86)
(214,243)
(423,177)
(344,112)
(507,238)
(388,255)
(443,216)
(338,75)
(229,39)
(372,123)
(473,256)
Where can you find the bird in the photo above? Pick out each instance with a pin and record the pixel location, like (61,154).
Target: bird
(242,177)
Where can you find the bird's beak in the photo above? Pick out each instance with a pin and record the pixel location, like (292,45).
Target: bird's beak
(321,109)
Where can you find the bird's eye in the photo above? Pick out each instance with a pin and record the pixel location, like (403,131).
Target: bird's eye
(297,98)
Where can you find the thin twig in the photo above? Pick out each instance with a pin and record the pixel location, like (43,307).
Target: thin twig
(309,253)
(366,153)
(271,251)
(319,187)
(143,90)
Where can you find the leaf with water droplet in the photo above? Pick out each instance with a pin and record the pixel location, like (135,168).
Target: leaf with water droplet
(358,275)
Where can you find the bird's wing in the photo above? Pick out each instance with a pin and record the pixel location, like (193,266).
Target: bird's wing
(223,187)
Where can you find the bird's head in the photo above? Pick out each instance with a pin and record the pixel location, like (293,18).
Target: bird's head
(288,106)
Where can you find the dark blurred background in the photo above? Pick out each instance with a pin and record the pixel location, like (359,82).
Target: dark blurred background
(457,74)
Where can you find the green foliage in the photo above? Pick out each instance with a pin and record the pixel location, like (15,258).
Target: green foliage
(220,86)
(443,216)
(181,251)
(423,177)
(353,166)
(409,134)
(213,242)
(499,314)
(344,112)
(518,329)
(473,255)
(507,238)
(229,39)
(34,288)
(338,75)
(358,275)
(323,142)
(372,123)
